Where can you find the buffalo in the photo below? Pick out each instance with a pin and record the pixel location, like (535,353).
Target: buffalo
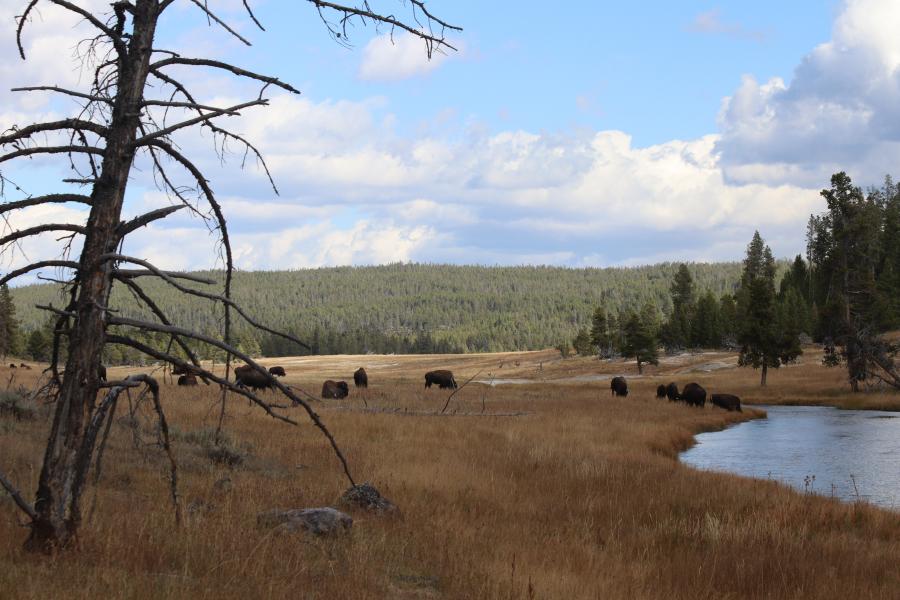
(180,370)
(660,391)
(12,366)
(443,379)
(729,402)
(187,379)
(248,377)
(672,392)
(618,386)
(277,371)
(360,378)
(694,395)
(335,389)
(24,366)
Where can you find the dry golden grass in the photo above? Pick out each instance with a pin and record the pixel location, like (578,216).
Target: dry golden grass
(582,497)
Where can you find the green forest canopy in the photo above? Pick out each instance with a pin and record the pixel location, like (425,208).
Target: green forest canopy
(416,307)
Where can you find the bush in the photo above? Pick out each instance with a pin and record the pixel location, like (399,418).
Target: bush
(18,406)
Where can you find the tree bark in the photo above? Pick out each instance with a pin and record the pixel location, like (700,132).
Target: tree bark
(69,451)
(765,372)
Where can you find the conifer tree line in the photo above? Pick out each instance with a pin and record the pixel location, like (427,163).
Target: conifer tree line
(845,293)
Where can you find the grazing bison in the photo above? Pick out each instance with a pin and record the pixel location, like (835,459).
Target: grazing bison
(180,370)
(277,371)
(694,395)
(729,402)
(101,372)
(618,386)
(335,389)
(360,378)
(187,379)
(443,379)
(672,392)
(660,391)
(24,366)
(12,366)
(248,377)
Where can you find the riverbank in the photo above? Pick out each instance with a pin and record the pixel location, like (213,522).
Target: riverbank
(580,496)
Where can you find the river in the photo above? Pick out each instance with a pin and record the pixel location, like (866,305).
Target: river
(849,454)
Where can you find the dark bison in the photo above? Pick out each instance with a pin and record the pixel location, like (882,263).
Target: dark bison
(12,366)
(248,377)
(187,380)
(101,373)
(694,395)
(618,386)
(729,402)
(443,379)
(24,366)
(277,371)
(180,370)
(360,379)
(335,389)
(672,392)
(660,391)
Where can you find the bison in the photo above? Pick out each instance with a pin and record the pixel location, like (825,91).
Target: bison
(618,386)
(335,389)
(248,377)
(694,395)
(180,370)
(729,402)
(12,366)
(660,391)
(443,379)
(672,392)
(24,366)
(360,378)
(187,379)
(277,371)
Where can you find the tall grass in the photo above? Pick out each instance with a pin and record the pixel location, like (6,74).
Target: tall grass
(580,497)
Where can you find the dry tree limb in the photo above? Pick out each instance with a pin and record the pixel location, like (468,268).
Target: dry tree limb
(60,90)
(217,64)
(447,403)
(17,496)
(51,150)
(63,125)
(48,199)
(221,23)
(68,264)
(37,229)
(145,219)
(231,110)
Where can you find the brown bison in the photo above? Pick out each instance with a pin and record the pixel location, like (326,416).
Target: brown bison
(24,366)
(277,371)
(694,395)
(618,386)
(335,389)
(672,392)
(12,366)
(187,379)
(248,377)
(443,379)
(360,378)
(660,391)
(180,370)
(729,402)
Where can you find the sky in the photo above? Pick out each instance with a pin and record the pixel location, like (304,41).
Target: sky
(604,134)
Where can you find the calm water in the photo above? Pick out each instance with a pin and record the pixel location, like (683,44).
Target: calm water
(813,448)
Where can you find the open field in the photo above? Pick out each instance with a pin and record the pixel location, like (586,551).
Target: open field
(581,496)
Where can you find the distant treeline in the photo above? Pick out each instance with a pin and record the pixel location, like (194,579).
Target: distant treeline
(408,308)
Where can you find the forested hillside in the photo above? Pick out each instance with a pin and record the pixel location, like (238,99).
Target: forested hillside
(417,307)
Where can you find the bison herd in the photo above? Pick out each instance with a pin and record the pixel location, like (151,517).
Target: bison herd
(693,394)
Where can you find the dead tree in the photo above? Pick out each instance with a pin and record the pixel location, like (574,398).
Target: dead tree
(132,108)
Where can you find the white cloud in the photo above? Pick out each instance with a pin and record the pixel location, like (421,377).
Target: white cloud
(841,110)
(711,22)
(395,57)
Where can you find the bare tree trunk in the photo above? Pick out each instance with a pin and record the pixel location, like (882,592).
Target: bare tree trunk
(69,451)
(765,372)
(640,367)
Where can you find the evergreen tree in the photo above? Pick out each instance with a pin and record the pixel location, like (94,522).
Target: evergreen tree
(728,320)
(763,343)
(601,336)
(582,342)
(9,327)
(640,338)
(678,328)
(706,329)
(38,346)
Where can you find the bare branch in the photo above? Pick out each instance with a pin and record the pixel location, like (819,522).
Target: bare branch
(22,20)
(146,219)
(205,117)
(17,497)
(68,264)
(65,124)
(190,105)
(49,198)
(41,229)
(159,273)
(51,150)
(252,16)
(222,23)
(113,36)
(53,88)
(214,297)
(204,62)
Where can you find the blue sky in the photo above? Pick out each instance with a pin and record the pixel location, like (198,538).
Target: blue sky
(605,134)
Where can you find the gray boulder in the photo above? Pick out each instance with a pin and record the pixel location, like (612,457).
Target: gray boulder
(315,521)
(365,496)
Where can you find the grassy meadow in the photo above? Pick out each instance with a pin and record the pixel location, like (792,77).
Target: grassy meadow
(571,493)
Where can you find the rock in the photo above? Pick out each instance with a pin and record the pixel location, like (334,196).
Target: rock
(367,497)
(317,521)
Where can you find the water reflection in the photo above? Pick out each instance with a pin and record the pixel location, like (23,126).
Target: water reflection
(847,454)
